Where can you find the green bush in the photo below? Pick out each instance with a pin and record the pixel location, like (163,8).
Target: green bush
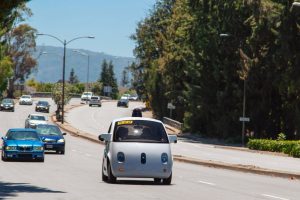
(291,148)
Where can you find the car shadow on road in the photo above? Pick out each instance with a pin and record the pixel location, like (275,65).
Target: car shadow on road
(10,190)
(138,182)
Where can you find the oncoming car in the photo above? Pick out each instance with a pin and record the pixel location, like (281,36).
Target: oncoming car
(52,137)
(22,143)
(25,100)
(137,147)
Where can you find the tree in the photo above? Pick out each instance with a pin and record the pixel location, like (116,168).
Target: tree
(5,72)
(57,93)
(21,45)
(73,79)
(107,78)
(11,13)
(125,78)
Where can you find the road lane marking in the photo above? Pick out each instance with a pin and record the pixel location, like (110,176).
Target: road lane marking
(207,183)
(88,155)
(274,197)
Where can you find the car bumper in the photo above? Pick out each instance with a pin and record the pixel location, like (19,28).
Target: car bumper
(54,146)
(6,108)
(24,155)
(123,170)
(25,103)
(42,109)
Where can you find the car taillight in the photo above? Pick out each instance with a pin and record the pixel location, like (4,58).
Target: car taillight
(164,158)
(121,157)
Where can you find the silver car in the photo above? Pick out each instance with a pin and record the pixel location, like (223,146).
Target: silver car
(137,147)
(34,119)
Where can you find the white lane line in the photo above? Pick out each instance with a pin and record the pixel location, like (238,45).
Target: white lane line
(73,150)
(274,197)
(88,155)
(206,183)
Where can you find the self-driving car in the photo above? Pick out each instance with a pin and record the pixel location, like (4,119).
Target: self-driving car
(52,137)
(137,147)
(20,143)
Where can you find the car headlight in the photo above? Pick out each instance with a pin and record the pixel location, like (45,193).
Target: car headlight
(10,105)
(164,158)
(1,104)
(9,148)
(38,148)
(121,157)
(61,141)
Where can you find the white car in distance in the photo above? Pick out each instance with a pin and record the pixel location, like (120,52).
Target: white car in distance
(86,96)
(25,100)
(34,119)
(137,147)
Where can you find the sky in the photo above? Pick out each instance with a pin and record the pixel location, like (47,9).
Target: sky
(111,22)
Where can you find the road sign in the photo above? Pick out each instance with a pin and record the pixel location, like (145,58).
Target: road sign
(244,119)
(171,106)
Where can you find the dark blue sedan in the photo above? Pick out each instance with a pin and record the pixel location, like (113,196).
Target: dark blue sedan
(20,143)
(52,137)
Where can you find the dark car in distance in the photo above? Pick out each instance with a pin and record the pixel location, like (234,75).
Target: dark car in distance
(7,104)
(52,137)
(42,106)
(123,103)
(137,112)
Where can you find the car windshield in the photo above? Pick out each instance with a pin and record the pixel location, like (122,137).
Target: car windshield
(43,103)
(22,135)
(37,117)
(25,97)
(7,101)
(140,131)
(87,93)
(48,130)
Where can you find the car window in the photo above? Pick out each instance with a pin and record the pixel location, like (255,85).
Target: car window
(22,135)
(48,130)
(37,117)
(140,131)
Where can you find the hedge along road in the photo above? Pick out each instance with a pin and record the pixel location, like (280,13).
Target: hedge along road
(94,120)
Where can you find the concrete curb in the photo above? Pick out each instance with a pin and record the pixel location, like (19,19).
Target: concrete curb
(237,167)
(208,163)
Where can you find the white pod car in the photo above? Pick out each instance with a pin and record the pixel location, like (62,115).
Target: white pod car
(137,147)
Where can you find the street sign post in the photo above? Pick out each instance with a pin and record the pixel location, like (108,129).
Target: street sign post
(244,119)
(171,107)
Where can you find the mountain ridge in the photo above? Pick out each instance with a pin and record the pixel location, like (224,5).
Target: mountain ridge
(50,63)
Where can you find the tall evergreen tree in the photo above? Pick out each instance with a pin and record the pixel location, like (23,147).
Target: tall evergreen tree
(73,78)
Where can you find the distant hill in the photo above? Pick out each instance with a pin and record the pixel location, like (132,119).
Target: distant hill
(49,68)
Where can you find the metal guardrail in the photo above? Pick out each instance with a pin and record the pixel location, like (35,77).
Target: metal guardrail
(173,123)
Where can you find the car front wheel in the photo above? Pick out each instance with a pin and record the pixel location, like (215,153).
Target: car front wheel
(111,178)
(104,178)
(167,181)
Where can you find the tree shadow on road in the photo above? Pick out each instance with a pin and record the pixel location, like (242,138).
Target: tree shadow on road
(10,190)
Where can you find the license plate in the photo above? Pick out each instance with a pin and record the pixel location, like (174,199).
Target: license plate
(49,146)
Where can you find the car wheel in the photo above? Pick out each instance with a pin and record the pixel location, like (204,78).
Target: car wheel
(111,178)
(157,180)
(167,181)
(2,157)
(104,178)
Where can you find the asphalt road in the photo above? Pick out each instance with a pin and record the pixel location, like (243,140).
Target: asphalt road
(77,175)
(96,120)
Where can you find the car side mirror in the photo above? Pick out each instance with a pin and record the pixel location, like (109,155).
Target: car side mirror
(64,133)
(105,137)
(172,138)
